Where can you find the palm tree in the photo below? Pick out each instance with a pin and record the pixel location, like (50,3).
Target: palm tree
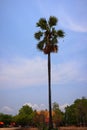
(47,37)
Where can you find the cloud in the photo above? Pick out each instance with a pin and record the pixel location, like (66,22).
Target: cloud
(36,107)
(33,72)
(9,110)
(44,107)
(72,20)
(23,72)
(62,107)
(71,23)
(68,72)
(6,110)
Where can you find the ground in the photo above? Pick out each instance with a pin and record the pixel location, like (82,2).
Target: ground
(61,128)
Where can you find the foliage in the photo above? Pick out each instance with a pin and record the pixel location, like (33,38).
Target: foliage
(55,106)
(58,115)
(48,36)
(77,112)
(7,119)
(25,116)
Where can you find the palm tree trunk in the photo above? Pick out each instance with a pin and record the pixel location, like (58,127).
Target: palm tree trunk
(49,92)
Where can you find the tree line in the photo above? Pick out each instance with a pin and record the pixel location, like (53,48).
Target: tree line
(75,114)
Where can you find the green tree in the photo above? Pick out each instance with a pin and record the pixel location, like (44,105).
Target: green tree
(25,116)
(7,119)
(58,115)
(55,106)
(77,112)
(47,38)
(70,115)
(81,110)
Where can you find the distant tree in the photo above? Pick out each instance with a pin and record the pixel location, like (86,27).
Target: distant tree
(7,119)
(70,115)
(77,112)
(81,110)
(36,121)
(55,106)
(25,116)
(48,38)
(58,115)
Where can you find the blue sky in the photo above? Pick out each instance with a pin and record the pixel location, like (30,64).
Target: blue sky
(23,69)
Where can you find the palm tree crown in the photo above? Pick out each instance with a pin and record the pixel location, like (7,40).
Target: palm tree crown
(48,36)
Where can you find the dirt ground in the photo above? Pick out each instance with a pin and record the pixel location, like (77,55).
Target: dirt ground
(73,128)
(61,128)
(17,128)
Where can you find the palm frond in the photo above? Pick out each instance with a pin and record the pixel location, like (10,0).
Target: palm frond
(54,32)
(52,21)
(42,24)
(48,35)
(38,35)
(60,33)
(40,45)
(54,40)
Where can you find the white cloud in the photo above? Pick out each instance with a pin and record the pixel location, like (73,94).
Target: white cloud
(43,107)
(71,71)
(36,107)
(33,72)
(6,110)
(73,24)
(62,107)
(69,19)
(23,72)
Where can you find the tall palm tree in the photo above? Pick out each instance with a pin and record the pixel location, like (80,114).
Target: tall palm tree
(47,37)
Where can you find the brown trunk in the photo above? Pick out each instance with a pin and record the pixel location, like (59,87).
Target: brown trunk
(49,92)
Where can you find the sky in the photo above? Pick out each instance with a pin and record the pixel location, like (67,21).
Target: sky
(23,68)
